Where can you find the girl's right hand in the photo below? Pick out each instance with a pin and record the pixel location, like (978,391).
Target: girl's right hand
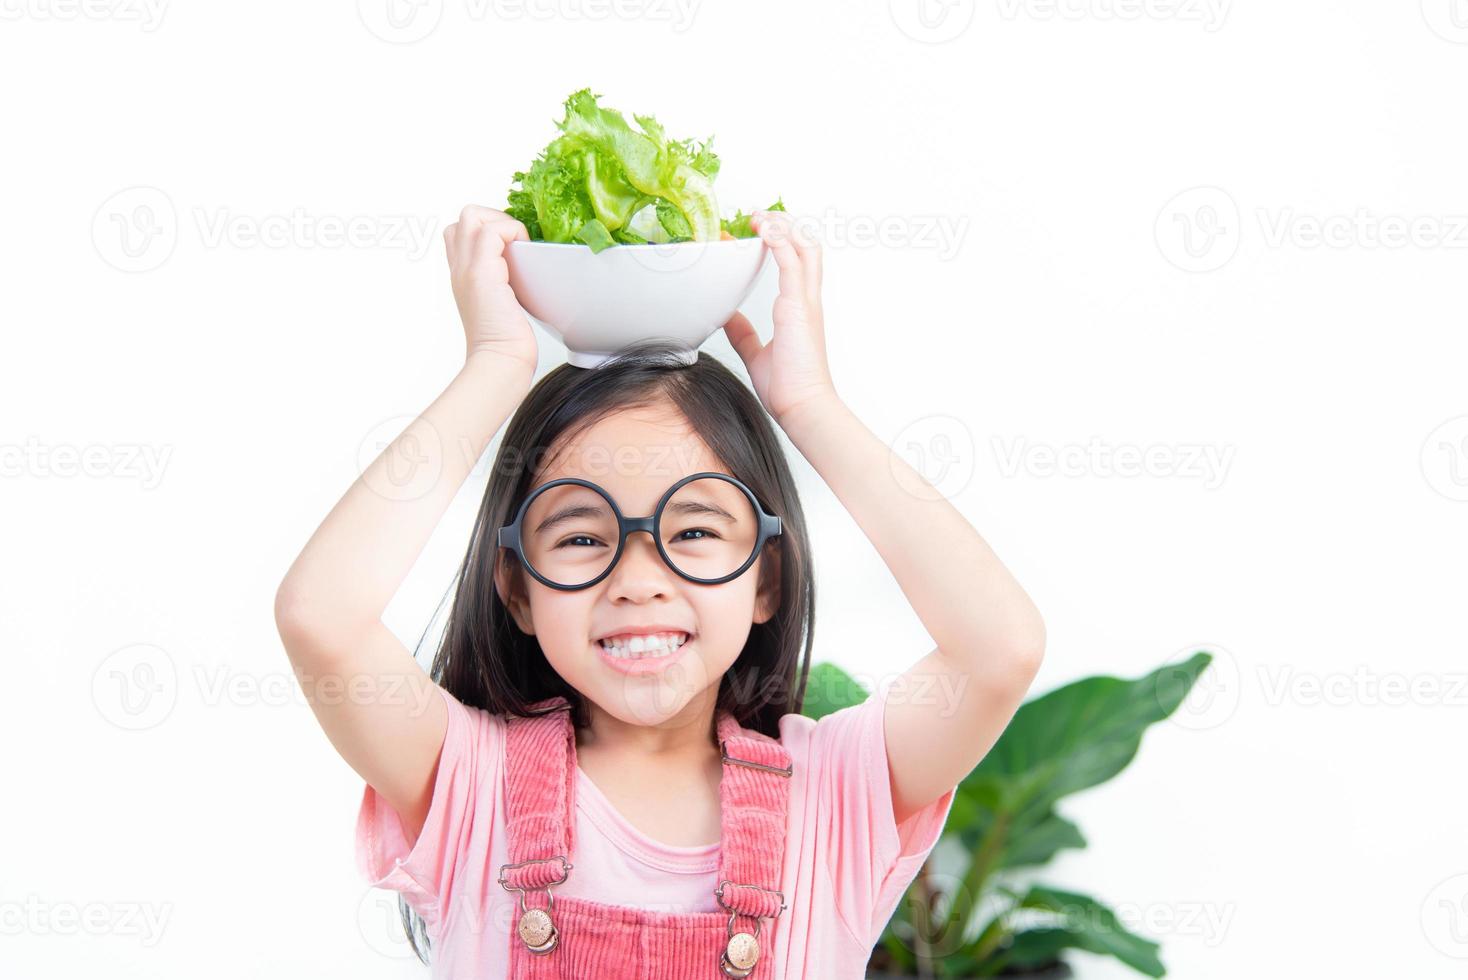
(493,320)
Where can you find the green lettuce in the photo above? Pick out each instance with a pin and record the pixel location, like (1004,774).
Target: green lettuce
(738,226)
(602,182)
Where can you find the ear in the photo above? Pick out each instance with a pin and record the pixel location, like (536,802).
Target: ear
(767,599)
(508,583)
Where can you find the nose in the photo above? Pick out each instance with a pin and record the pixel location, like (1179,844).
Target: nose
(640,571)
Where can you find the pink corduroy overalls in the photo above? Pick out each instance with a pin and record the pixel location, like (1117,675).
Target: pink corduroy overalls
(578,939)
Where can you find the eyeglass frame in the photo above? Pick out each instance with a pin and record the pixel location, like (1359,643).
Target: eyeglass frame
(509,535)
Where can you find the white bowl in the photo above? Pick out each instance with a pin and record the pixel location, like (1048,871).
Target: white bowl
(598,303)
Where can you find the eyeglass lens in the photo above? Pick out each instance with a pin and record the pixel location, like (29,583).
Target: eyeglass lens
(708,529)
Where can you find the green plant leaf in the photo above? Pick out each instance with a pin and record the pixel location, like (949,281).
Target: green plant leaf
(1038,844)
(1075,737)
(1081,923)
(1035,949)
(828,689)
(1070,739)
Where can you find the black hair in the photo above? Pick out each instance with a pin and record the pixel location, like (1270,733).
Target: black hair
(485,661)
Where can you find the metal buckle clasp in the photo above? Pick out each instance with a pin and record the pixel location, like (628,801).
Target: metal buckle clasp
(726,757)
(719,894)
(738,958)
(537,928)
(566,867)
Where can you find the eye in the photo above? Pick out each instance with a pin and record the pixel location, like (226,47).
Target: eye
(695,530)
(578,537)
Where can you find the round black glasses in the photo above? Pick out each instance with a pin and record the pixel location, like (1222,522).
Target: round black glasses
(708,527)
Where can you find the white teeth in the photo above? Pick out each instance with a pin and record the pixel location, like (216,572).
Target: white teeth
(655,645)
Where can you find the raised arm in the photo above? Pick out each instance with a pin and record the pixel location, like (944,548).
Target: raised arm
(990,637)
(378,707)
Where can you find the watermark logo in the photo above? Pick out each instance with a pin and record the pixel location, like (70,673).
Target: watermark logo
(1363,687)
(412,462)
(400,21)
(1207,922)
(147,14)
(1447,18)
(381,924)
(1207,464)
(127,461)
(1445,917)
(34,916)
(219,227)
(1215,695)
(1199,229)
(1363,229)
(941,234)
(1445,459)
(940,448)
(136,687)
(136,229)
(932,21)
(1218,692)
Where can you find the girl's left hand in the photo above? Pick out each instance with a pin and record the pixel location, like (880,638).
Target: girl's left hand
(790,370)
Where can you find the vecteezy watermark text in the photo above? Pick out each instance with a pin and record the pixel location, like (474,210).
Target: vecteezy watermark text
(138,228)
(1211,14)
(410,233)
(1202,228)
(34,916)
(147,14)
(136,687)
(1206,463)
(409,21)
(129,461)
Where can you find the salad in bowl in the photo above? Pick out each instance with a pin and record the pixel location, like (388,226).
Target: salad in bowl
(626,237)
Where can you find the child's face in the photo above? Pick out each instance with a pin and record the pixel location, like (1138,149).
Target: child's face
(636,455)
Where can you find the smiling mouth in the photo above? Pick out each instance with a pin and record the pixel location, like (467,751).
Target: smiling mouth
(649,647)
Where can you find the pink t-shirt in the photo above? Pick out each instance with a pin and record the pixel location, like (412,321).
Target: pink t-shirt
(846,863)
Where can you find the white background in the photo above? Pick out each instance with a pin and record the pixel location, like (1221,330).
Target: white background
(1049,280)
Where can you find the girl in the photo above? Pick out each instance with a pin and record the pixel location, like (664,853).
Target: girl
(606,773)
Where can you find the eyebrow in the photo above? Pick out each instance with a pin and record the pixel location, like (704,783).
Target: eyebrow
(575,511)
(570,513)
(700,507)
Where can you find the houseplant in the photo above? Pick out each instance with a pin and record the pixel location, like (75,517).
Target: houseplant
(983,920)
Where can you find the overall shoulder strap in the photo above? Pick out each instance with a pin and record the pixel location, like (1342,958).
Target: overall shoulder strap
(540,794)
(754,793)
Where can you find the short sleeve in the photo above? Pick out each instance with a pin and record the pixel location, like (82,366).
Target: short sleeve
(872,860)
(425,873)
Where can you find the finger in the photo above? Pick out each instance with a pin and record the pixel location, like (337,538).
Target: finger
(451,243)
(475,219)
(775,231)
(511,229)
(474,215)
(488,247)
(463,247)
(807,246)
(743,337)
(501,225)
(803,234)
(811,257)
(785,225)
